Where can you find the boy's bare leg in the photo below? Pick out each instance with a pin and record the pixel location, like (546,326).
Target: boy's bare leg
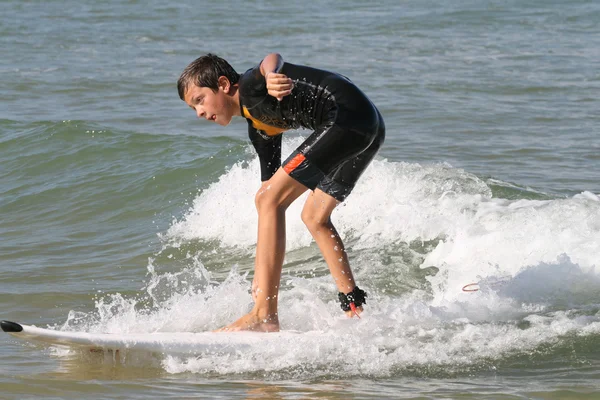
(316,214)
(272,200)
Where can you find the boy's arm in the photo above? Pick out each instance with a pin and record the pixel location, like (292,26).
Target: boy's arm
(278,85)
(271,63)
(268,149)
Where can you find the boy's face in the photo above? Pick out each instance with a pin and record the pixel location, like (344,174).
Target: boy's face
(216,107)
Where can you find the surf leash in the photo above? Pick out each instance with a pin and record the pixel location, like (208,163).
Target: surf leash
(471,287)
(352,300)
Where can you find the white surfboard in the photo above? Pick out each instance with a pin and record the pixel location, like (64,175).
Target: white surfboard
(187,343)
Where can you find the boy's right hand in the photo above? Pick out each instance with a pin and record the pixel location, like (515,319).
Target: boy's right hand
(278,85)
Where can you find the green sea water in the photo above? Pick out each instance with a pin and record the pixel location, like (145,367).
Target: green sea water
(121,212)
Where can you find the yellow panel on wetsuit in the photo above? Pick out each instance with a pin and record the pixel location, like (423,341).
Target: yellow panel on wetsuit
(270,130)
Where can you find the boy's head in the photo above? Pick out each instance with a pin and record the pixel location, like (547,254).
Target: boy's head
(205,72)
(207,86)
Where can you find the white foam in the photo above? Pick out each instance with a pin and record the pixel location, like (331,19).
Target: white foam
(400,202)
(225,210)
(391,201)
(535,263)
(396,333)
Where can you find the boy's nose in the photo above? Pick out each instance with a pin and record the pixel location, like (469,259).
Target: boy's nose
(200,113)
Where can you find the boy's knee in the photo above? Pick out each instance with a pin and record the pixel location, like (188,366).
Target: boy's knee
(261,200)
(313,221)
(266,200)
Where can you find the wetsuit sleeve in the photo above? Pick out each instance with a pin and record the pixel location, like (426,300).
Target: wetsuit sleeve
(268,149)
(253,83)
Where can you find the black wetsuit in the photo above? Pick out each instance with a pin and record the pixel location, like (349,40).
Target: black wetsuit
(348,128)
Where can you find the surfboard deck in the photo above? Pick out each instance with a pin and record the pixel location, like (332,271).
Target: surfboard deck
(162,342)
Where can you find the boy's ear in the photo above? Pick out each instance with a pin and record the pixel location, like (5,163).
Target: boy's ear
(224,84)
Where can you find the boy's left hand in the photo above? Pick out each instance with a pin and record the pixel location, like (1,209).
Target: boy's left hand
(278,85)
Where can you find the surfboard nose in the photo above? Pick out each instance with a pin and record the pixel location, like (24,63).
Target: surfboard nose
(8,326)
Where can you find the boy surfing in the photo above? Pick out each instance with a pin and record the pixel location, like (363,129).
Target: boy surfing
(348,130)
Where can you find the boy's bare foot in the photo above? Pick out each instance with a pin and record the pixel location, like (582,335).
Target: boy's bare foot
(352,313)
(251,322)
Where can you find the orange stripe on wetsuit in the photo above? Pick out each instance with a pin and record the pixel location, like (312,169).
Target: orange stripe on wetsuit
(293,163)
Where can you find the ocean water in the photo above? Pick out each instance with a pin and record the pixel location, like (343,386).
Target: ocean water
(121,212)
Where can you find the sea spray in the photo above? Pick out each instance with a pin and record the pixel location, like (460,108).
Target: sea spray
(415,234)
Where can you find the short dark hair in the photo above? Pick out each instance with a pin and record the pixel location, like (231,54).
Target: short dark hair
(205,71)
